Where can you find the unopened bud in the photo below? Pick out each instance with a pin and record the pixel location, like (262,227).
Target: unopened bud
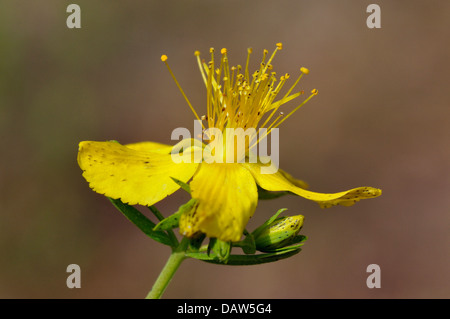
(279,233)
(222,249)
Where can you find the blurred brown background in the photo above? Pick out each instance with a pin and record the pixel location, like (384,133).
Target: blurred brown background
(381,119)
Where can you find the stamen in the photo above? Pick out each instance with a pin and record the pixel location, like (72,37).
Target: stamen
(197,54)
(164,59)
(249,51)
(236,100)
(280,115)
(275,92)
(313,93)
(279,47)
(304,70)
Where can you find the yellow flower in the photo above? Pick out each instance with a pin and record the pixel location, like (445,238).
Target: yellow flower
(226,192)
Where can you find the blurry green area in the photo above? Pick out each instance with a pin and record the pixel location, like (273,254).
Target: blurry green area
(381,119)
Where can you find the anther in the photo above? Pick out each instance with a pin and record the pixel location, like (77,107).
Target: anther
(164,58)
(304,70)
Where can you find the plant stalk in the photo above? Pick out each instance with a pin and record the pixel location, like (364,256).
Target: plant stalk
(171,266)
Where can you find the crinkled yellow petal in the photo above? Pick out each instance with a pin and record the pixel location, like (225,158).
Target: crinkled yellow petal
(133,175)
(296,182)
(189,148)
(227,197)
(279,182)
(151,147)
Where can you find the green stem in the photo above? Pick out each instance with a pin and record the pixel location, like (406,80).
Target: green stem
(172,264)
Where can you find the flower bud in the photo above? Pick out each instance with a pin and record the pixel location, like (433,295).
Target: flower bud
(221,249)
(279,233)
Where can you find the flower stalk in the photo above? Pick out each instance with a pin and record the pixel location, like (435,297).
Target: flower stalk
(173,263)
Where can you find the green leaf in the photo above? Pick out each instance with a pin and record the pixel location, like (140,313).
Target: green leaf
(258,230)
(141,221)
(183,185)
(169,232)
(156,212)
(241,260)
(296,242)
(173,220)
(169,222)
(248,244)
(299,239)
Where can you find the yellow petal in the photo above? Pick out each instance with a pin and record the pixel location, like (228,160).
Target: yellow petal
(135,176)
(296,182)
(279,182)
(151,147)
(227,198)
(188,147)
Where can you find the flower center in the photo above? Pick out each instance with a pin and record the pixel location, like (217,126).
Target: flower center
(238,100)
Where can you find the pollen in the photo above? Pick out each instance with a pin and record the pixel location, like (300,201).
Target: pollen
(164,58)
(304,70)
